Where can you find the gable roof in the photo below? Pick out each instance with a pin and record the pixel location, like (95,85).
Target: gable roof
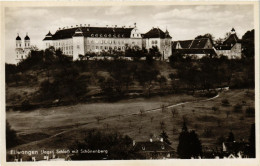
(156,33)
(232,39)
(93,32)
(199,43)
(155,146)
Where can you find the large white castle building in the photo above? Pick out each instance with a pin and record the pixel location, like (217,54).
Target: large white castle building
(22,49)
(79,40)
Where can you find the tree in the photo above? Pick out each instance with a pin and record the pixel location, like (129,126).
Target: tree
(165,137)
(251,139)
(189,144)
(11,137)
(248,44)
(207,35)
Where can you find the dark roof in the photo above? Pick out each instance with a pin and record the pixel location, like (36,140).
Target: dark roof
(196,43)
(195,51)
(185,43)
(18,38)
(232,39)
(26,37)
(156,33)
(78,32)
(174,44)
(199,43)
(153,146)
(48,36)
(94,32)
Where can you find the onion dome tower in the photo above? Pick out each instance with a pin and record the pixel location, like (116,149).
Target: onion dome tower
(18,41)
(26,41)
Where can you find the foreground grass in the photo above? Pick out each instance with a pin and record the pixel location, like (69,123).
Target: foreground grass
(66,124)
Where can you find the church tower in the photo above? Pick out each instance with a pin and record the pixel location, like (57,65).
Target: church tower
(26,41)
(18,41)
(18,48)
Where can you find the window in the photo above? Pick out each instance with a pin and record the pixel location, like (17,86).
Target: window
(109,35)
(101,47)
(137,35)
(22,57)
(100,35)
(92,35)
(133,42)
(133,35)
(78,47)
(115,47)
(20,45)
(105,35)
(152,42)
(96,35)
(114,42)
(96,47)
(105,47)
(155,42)
(123,47)
(119,48)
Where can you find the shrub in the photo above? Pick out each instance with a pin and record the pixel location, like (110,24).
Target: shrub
(225,102)
(250,112)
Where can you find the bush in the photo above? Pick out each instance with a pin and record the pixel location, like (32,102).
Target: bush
(225,102)
(250,112)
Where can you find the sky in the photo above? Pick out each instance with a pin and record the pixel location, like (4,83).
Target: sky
(182,21)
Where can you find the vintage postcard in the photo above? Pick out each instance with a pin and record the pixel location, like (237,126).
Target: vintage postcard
(130,83)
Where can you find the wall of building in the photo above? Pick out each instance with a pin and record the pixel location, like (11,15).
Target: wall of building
(78,47)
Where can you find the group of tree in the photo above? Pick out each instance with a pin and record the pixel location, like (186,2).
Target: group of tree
(189,144)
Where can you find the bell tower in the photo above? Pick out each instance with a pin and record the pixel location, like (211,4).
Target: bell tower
(26,41)
(18,41)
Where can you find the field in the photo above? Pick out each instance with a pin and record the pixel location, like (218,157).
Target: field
(59,127)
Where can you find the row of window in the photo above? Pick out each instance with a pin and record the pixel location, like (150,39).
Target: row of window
(110,42)
(108,48)
(109,35)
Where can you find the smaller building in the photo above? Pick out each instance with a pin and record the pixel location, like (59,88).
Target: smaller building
(231,47)
(197,47)
(154,149)
(22,49)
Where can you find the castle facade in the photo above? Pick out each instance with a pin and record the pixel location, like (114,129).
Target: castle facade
(79,40)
